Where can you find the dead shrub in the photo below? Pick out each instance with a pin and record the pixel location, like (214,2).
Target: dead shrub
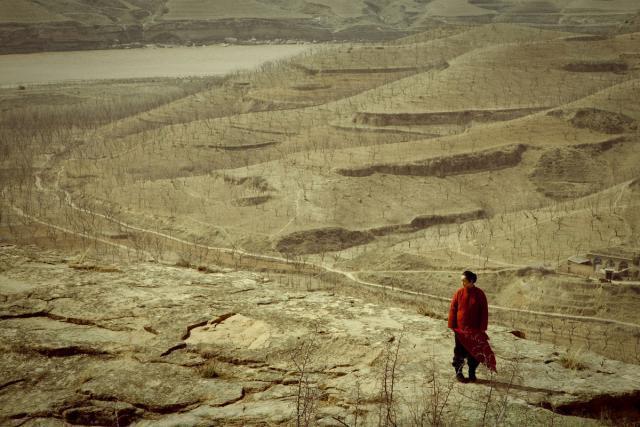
(573,359)
(211,369)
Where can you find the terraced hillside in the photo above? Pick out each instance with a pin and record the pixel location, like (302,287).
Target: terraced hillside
(30,25)
(348,186)
(365,165)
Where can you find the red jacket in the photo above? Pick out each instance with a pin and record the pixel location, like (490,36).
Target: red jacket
(469,309)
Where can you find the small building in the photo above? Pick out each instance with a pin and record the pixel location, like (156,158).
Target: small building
(610,264)
(616,263)
(578,265)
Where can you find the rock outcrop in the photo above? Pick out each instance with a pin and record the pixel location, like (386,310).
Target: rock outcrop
(148,344)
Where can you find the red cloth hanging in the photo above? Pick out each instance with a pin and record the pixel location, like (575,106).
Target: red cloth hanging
(477,344)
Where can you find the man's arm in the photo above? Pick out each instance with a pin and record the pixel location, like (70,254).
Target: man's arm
(453,312)
(484,313)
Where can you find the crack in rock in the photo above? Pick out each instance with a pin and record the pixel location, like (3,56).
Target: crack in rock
(72,350)
(59,318)
(147,407)
(242,362)
(83,322)
(105,413)
(25,417)
(150,330)
(190,327)
(167,409)
(174,348)
(222,318)
(215,321)
(232,401)
(10,383)
(621,409)
(24,315)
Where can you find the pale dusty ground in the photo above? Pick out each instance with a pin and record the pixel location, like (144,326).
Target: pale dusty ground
(161,345)
(377,180)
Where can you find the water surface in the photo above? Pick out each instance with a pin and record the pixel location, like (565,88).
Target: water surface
(50,67)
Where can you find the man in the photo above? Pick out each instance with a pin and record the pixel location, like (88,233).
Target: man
(468,317)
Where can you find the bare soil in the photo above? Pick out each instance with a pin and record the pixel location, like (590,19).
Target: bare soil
(171,206)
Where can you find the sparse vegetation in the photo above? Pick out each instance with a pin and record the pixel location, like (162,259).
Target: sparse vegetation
(573,359)
(211,369)
(362,171)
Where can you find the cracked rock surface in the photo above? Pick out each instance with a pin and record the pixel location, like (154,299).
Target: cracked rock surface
(147,344)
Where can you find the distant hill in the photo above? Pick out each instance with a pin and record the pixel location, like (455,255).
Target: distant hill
(32,25)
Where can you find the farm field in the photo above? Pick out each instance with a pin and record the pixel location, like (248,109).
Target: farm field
(282,239)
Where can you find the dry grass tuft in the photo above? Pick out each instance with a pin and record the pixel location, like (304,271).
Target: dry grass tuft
(426,311)
(211,369)
(573,359)
(96,268)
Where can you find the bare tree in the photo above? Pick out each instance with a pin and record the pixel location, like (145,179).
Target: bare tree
(388,400)
(307,392)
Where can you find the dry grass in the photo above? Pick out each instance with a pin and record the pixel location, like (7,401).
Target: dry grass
(211,369)
(239,165)
(427,311)
(574,360)
(96,268)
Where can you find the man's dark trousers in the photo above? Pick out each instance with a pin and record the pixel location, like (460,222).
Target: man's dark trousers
(459,354)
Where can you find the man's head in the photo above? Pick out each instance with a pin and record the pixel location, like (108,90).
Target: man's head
(469,278)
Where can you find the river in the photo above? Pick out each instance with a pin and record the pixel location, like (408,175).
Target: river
(52,67)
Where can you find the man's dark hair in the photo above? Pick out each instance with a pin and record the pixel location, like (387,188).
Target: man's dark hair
(471,276)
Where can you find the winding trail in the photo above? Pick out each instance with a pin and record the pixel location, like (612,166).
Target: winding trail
(283,264)
(623,186)
(480,271)
(21,213)
(295,215)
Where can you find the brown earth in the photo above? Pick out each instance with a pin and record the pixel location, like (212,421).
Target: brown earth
(492,159)
(597,67)
(604,121)
(322,240)
(111,180)
(179,346)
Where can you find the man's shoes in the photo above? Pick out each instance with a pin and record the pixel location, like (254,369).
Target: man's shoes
(472,375)
(460,377)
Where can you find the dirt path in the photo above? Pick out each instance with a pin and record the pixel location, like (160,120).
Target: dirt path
(457,247)
(432,271)
(299,196)
(21,213)
(283,264)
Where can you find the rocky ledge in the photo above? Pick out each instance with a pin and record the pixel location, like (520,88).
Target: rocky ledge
(94,343)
